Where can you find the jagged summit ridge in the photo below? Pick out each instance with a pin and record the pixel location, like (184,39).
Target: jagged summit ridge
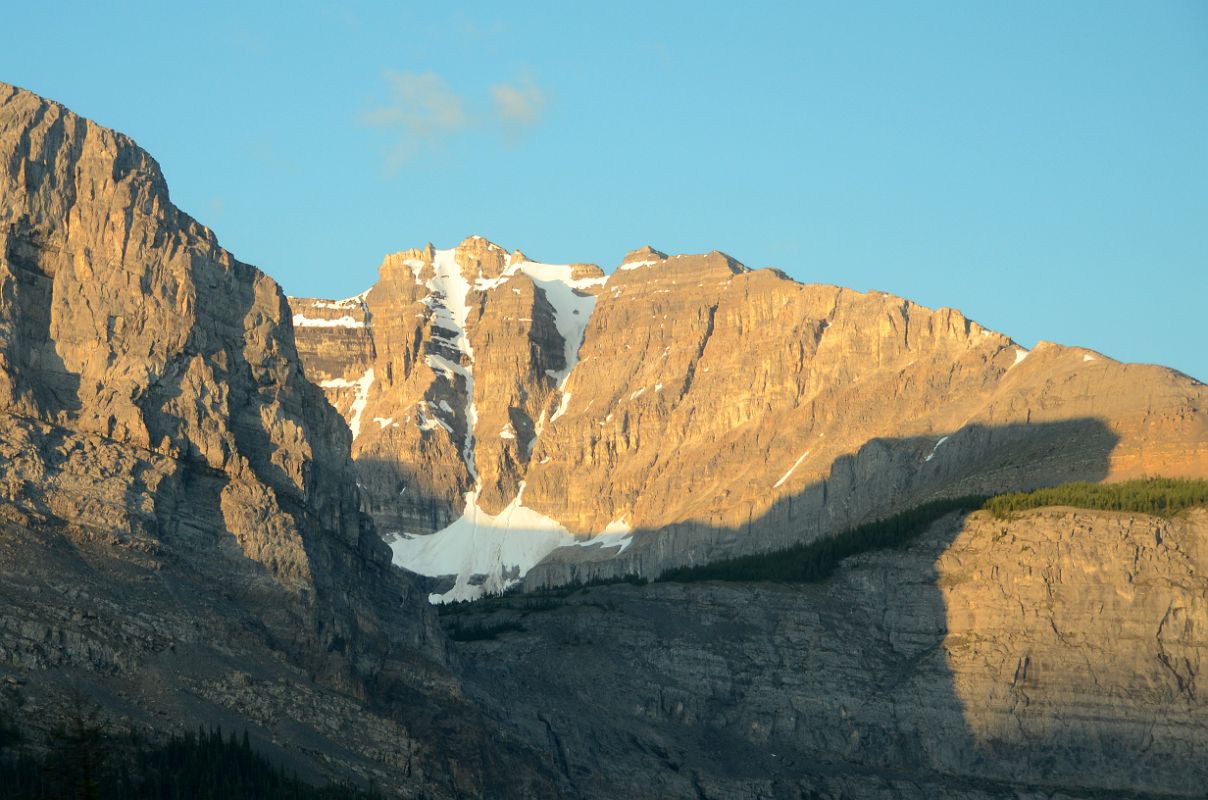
(693,395)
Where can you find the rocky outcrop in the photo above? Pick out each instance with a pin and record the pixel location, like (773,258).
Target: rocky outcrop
(710,409)
(445,392)
(1056,654)
(123,324)
(180,529)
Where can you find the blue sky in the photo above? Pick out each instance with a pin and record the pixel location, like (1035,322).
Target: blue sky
(1041,166)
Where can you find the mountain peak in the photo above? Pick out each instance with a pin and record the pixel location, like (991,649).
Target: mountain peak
(732,263)
(641,257)
(479,243)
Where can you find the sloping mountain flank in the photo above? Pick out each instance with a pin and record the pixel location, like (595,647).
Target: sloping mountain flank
(180,536)
(512,418)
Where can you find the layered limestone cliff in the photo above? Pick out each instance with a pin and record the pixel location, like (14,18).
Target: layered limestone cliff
(181,540)
(1056,654)
(180,533)
(422,364)
(701,407)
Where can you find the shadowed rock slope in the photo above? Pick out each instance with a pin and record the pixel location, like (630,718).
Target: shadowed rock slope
(180,536)
(1053,655)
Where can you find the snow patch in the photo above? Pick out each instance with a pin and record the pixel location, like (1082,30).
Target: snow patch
(494,550)
(638,264)
(572,306)
(449,302)
(1088,357)
(303,321)
(428,419)
(617,533)
(360,398)
(416,266)
(1020,355)
(446,367)
(429,423)
(357,301)
(562,406)
(383,421)
(931,455)
(792,469)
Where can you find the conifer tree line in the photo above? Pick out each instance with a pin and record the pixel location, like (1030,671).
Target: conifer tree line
(1159,497)
(817,560)
(81,761)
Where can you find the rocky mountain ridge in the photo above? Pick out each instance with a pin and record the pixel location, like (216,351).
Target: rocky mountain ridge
(181,545)
(684,408)
(180,536)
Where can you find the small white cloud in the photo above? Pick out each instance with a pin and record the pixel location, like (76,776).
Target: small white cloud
(422,108)
(424,112)
(519,106)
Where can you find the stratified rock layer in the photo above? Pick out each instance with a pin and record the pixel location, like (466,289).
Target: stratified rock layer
(180,533)
(713,409)
(1053,655)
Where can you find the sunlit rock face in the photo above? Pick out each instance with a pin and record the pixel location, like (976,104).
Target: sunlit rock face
(1055,654)
(1085,630)
(448,370)
(707,408)
(126,328)
(181,541)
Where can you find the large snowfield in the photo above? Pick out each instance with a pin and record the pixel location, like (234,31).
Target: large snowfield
(488,553)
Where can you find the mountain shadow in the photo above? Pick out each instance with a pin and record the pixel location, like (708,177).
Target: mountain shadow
(971,663)
(884,477)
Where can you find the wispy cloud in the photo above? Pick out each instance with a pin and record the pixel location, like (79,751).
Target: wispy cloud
(422,108)
(423,112)
(518,107)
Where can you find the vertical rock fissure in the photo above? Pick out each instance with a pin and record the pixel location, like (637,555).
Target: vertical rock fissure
(700,351)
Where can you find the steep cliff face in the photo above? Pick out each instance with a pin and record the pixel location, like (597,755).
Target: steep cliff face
(179,519)
(1052,655)
(447,371)
(127,333)
(707,408)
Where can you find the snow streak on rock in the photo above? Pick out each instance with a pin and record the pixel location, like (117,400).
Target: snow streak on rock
(450,310)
